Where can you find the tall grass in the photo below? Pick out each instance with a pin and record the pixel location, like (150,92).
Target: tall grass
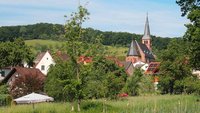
(143,104)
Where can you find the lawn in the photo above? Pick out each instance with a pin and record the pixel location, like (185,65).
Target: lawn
(142,104)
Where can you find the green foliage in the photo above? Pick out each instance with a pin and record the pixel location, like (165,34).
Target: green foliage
(191,85)
(191,8)
(132,85)
(56,32)
(15,53)
(5,98)
(174,67)
(58,77)
(139,84)
(40,30)
(146,85)
(115,83)
(142,104)
(4,89)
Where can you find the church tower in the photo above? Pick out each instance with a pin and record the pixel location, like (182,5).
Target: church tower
(146,39)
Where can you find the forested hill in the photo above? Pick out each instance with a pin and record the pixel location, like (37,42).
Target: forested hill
(56,32)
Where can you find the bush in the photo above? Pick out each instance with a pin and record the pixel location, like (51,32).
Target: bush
(5,99)
(192,85)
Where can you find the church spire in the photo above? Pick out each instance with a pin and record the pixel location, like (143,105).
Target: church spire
(146,39)
(146,29)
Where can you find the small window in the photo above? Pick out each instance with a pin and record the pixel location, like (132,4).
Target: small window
(42,67)
(145,42)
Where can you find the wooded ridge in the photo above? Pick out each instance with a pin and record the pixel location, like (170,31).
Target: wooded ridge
(56,32)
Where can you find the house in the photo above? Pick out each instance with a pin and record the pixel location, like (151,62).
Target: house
(21,71)
(153,68)
(141,51)
(4,71)
(85,60)
(144,67)
(129,68)
(197,73)
(62,56)
(24,80)
(43,62)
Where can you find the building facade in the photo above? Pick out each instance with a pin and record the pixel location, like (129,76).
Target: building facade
(141,51)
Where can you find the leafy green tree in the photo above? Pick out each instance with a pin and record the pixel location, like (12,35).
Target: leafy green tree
(191,85)
(75,49)
(146,85)
(139,84)
(191,8)
(174,67)
(23,31)
(15,54)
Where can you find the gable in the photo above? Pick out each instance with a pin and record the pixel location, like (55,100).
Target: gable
(45,62)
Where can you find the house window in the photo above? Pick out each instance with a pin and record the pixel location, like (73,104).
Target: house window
(42,67)
(2,73)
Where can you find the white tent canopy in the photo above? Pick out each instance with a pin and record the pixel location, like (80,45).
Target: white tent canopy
(33,98)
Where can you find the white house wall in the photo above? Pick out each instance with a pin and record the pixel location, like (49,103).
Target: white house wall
(47,60)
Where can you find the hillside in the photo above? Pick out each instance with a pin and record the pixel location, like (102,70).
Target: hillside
(56,32)
(43,45)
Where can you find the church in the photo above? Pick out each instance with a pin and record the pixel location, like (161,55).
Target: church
(141,51)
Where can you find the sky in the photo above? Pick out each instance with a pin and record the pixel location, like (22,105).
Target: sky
(107,15)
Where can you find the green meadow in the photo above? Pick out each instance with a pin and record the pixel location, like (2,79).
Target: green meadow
(141,104)
(54,45)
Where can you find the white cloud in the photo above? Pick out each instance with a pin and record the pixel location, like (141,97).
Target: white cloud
(128,16)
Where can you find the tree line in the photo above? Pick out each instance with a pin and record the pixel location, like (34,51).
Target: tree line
(56,32)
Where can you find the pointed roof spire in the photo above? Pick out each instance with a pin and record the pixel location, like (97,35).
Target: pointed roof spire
(133,49)
(146,29)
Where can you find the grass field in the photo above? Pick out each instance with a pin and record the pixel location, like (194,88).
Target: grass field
(112,50)
(143,104)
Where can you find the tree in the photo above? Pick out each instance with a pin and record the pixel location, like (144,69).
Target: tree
(15,53)
(23,31)
(139,84)
(26,84)
(191,8)
(132,84)
(174,67)
(76,44)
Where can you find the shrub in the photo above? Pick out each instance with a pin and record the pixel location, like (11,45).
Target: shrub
(5,99)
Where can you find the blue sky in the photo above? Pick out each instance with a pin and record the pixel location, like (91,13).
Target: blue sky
(106,15)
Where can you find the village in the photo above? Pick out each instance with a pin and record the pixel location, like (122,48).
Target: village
(80,75)
(139,56)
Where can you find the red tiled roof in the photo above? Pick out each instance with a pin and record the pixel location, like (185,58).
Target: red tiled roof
(62,55)
(84,59)
(153,68)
